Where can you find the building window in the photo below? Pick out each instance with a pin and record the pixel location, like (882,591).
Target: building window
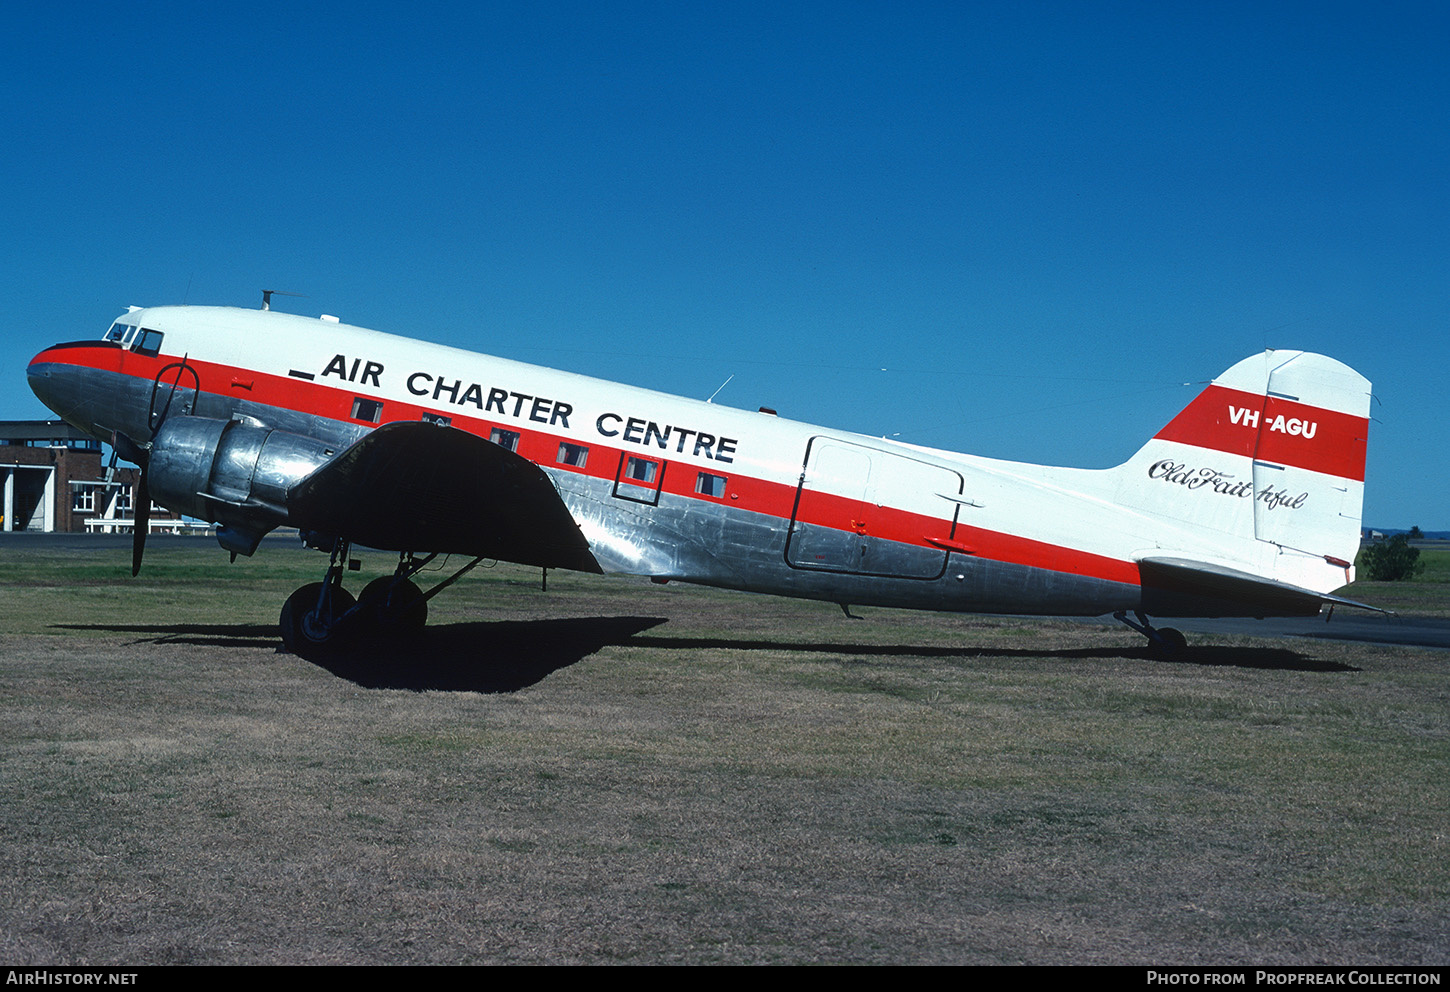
(123,499)
(573,454)
(369,410)
(710,485)
(85,500)
(505,439)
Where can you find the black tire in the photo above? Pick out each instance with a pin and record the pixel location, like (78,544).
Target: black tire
(394,608)
(1170,643)
(307,632)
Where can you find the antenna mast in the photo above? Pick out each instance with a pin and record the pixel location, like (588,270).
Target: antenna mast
(267,295)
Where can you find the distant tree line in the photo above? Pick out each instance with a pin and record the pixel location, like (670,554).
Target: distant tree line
(1392,560)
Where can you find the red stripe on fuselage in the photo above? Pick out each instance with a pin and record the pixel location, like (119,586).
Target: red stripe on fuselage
(334,402)
(1273,429)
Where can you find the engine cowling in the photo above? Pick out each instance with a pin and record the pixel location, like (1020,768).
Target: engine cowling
(235,473)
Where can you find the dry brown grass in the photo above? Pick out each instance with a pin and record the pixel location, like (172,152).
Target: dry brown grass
(614,772)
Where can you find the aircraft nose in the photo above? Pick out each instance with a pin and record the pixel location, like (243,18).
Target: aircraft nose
(38,375)
(55,385)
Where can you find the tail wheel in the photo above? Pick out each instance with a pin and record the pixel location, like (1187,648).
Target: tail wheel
(1163,642)
(1170,643)
(395,606)
(310,620)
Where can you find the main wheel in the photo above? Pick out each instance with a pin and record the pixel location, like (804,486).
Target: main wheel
(395,607)
(308,630)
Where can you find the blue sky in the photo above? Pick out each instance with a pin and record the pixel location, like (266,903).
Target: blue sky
(1016,229)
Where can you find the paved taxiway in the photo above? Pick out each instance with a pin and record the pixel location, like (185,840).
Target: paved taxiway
(1420,632)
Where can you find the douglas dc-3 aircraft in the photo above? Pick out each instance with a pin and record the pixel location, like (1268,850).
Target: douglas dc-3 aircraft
(1246,504)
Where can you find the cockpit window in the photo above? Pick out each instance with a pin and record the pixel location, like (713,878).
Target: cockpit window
(118,331)
(148,342)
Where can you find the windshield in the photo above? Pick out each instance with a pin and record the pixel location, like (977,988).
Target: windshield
(142,340)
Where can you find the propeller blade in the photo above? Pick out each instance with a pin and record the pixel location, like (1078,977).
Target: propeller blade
(142,507)
(128,449)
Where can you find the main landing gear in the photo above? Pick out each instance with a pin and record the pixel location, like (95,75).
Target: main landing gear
(323,616)
(1163,642)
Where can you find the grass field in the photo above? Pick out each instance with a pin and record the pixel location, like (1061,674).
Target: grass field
(1428,595)
(611,771)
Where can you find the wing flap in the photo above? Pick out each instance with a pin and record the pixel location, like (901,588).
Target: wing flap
(413,486)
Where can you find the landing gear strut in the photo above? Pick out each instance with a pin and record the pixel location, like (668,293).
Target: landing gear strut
(321,616)
(1163,642)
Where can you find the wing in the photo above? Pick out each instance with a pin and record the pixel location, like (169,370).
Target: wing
(1177,587)
(412,486)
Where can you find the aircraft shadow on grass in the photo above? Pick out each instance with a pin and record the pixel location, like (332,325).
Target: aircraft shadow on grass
(1211,655)
(485,656)
(507,655)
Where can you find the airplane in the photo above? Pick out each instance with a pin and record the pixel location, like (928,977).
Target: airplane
(1245,504)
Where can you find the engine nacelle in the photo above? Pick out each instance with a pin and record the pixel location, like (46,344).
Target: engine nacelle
(234,473)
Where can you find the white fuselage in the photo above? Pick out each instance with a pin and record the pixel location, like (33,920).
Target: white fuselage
(676,488)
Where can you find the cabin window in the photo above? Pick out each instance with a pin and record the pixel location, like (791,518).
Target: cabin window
(710,485)
(118,331)
(505,439)
(573,454)
(641,470)
(365,409)
(639,479)
(148,342)
(437,418)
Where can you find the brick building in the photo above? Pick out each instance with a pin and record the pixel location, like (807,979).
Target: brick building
(54,479)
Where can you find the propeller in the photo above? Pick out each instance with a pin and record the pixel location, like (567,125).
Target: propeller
(121,444)
(141,455)
(142,506)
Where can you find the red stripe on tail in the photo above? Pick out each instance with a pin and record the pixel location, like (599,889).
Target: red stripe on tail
(1273,429)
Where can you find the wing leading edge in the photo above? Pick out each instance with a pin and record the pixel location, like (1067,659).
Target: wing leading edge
(413,486)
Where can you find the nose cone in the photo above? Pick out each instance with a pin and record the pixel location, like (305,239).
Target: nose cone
(68,388)
(47,385)
(83,383)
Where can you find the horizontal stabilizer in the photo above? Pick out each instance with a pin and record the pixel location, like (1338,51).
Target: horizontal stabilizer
(414,486)
(1177,587)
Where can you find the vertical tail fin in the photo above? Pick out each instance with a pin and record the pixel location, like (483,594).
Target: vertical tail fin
(1265,469)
